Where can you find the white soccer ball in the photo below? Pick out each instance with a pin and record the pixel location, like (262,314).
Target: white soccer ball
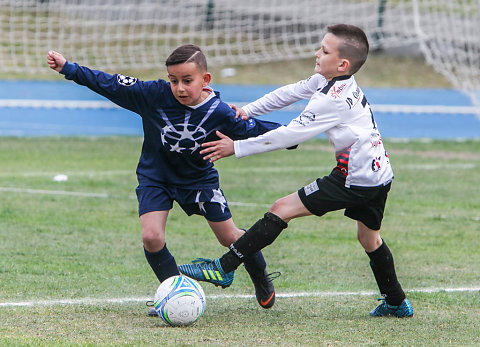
(179,300)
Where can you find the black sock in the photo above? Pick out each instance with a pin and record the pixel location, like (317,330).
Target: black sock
(381,262)
(260,235)
(255,264)
(162,263)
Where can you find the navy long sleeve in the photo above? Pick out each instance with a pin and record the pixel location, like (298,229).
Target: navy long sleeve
(173,133)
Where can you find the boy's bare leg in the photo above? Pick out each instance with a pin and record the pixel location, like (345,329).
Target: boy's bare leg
(289,207)
(265,230)
(157,254)
(227,233)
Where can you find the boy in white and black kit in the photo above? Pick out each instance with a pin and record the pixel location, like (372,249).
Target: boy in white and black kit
(359,183)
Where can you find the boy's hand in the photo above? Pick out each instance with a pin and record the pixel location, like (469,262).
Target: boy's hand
(239,112)
(218,149)
(55,60)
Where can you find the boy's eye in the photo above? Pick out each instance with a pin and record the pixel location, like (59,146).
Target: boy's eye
(187,81)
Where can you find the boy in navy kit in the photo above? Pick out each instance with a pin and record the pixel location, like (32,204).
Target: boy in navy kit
(178,116)
(359,183)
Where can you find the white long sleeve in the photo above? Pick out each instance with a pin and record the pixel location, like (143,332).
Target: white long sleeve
(300,129)
(284,96)
(337,108)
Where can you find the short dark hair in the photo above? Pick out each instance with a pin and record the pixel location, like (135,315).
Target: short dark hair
(355,45)
(186,54)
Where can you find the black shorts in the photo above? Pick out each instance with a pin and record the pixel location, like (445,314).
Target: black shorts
(364,204)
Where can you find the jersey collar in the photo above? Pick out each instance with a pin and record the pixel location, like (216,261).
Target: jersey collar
(329,85)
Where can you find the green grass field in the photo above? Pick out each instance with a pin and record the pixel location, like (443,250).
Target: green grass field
(80,241)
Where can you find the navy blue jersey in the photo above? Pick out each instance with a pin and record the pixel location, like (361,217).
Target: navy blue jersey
(173,133)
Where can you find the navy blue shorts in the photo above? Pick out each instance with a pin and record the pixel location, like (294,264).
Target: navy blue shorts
(364,204)
(210,203)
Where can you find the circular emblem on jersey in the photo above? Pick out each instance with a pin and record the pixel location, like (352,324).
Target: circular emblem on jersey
(182,137)
(126,80)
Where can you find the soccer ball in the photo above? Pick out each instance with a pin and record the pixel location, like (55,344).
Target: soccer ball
(179,300)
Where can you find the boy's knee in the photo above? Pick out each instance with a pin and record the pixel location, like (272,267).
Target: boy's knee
(288,207)
(368,238)
(227,241)
(226,232)
(230,237)
(279,207)
(152,239)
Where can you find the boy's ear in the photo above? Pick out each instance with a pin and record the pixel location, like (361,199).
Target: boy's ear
(207,77)
(344,66)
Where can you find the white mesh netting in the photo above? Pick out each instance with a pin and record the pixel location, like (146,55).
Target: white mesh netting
(138,34)
(449,36)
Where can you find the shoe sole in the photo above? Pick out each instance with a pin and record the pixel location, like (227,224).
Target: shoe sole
(392,315)
(219,285)
(205,280)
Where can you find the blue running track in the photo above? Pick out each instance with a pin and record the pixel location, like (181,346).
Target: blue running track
(41,108)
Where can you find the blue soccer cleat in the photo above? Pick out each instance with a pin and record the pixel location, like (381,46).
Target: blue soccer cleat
(207,270)
(404,310)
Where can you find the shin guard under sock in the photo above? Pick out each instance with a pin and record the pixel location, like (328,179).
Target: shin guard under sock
(162,263)
(381,262)
(260,235)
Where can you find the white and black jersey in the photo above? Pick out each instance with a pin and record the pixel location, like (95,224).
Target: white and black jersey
(337,108)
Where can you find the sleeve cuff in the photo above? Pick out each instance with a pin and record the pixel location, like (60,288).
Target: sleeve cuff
(236,147)
(246,109)
(68,69)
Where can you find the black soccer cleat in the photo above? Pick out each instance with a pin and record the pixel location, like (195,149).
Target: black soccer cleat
(151,310)
(264,289)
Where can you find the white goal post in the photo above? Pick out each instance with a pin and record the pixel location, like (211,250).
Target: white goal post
(139,34)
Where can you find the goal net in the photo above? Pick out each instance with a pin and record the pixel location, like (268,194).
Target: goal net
(115,34)
(139,34)
(449,37)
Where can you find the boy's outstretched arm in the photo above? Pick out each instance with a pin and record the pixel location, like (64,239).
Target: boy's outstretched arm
(239,112)
(134,95)
(55,60)
(218,149)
